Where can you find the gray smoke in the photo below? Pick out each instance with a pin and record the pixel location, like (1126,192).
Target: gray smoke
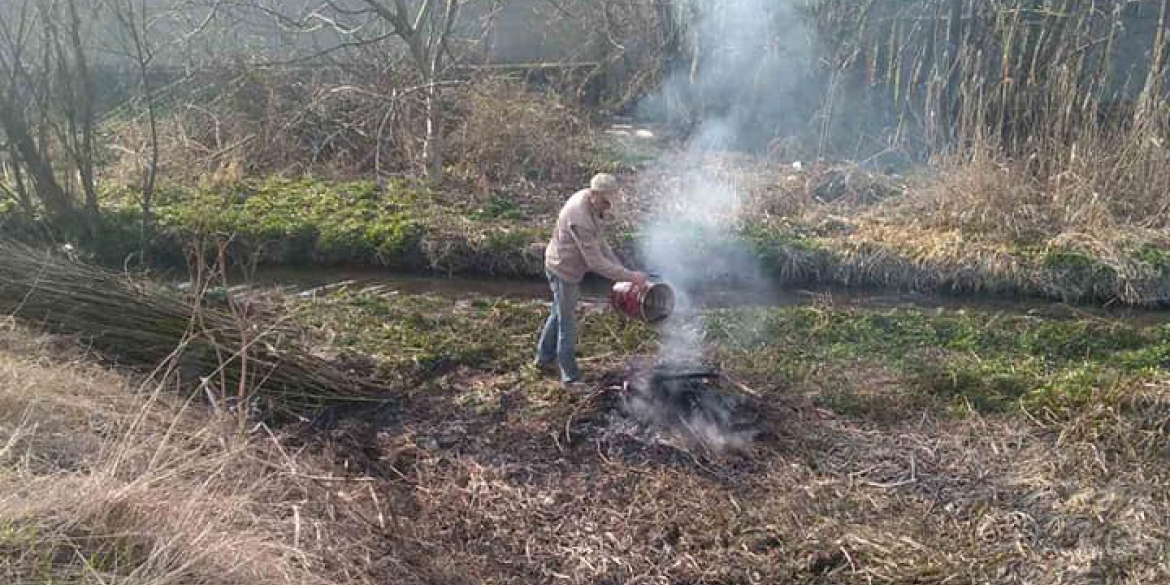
(750,65)
(748,75)
(687,410)
(690,243)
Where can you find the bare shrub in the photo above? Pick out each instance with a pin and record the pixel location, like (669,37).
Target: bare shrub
(983,198)
(249,120)
(511,135)
(342,124)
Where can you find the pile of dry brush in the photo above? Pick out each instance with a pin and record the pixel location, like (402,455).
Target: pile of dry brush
(230,350)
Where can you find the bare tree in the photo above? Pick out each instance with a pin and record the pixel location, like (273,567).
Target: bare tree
(17,90)
(74,95)
(134,31)
(46,107)
(425,27)
(12,184)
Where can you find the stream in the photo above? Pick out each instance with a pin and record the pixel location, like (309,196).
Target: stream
(310,281)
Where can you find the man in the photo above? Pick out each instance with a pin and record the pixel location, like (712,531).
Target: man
(577,246)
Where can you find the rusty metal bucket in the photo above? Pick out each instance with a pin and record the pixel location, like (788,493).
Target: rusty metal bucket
(651,302)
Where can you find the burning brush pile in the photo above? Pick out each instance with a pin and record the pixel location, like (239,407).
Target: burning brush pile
(690,407)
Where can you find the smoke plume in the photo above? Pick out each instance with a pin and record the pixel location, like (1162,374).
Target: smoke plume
(746,76)
(689,412)
(746,82)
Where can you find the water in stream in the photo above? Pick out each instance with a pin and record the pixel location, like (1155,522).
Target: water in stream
(596,292)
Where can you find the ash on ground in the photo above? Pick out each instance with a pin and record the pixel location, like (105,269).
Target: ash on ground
(685,406)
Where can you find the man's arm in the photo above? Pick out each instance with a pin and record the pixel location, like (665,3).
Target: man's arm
(594,252)
(607,251)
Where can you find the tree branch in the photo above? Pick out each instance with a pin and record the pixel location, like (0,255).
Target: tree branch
(423,12)
(358,43)
(397,18)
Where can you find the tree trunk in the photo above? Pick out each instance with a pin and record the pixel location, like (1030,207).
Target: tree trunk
(85,116)
(152,120)
(56,201)
(18,183)
(1152,91)
(433,141)
(152,169)
(433,147)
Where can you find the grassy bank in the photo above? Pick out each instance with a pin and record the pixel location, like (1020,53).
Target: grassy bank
(931,446)
(822,226)
(308,222)
(944,360)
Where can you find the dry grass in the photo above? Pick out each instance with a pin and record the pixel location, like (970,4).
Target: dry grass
(241,122)
(238,121)
(824,499)
(1034,141)
(492,476)
(1003,202)
(110,479)
(1008,229)
(512,138)
(971,227)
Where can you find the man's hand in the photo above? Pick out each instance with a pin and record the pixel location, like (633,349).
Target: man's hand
(639,279)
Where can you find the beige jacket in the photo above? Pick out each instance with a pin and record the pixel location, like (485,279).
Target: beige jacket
(578,244)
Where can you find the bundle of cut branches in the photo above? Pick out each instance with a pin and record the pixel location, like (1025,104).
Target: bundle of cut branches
(137,324)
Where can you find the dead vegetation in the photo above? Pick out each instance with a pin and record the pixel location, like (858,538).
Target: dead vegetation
(230,352)
(1013,471)
(982,228)
(236,121)
(509,135)
(493,476)
(108,478)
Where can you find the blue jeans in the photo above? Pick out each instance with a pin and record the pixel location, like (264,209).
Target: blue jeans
(558,340)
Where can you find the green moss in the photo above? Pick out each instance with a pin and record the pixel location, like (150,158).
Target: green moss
(1157,257)
(1073,389)
(789,252)
(306,221)
(1067,260)
(1078,274)
(865,363)
(513,240)
(970,381)
(894,332)
(986,361)
(497,208)
(404,226)
(1077,340)
(1152,354)
(419,336)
